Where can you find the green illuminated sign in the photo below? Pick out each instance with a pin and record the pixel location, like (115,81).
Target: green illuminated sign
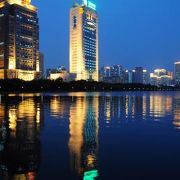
(89,4)
(90,175)
(85,2)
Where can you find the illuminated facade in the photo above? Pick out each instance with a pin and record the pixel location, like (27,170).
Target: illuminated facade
(161,77)
(84,56)
(177,73)
(19,40)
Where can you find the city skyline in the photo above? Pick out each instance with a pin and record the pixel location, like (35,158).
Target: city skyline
(154,36)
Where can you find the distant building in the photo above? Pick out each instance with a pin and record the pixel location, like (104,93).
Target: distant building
(161,77)
(129,76)
(117,74)
(112,74)
(146,77)
(117,71)
(177,73)
(84,57)
(138,75)
(19,40)
(60,73)
(105,73)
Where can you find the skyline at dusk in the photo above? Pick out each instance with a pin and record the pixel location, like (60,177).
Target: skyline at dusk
(89,89)
(131,33)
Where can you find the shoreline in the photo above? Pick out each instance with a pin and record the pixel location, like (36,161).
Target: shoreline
(57,86)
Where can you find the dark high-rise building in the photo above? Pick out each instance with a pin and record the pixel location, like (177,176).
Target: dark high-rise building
(146,76)
(177,73)
(19,40)
(138,75)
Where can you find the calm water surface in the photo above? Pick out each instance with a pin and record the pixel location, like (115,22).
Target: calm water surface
(90,136)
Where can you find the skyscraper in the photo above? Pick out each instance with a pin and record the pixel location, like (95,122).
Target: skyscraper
(84,56)
(177,73)
(19,40)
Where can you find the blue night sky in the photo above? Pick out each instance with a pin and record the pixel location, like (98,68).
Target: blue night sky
(132,32)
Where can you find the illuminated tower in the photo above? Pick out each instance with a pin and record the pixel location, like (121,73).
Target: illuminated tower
(84,56)
(19,40)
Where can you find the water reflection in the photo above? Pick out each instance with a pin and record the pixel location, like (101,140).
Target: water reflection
(20,123)
(85,116)
(83,141)
(177,112)
(160,105)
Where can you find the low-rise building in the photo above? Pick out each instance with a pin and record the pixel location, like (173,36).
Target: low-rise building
(60,73)
(161,77)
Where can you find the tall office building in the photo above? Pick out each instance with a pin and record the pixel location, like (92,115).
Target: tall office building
(19,40)
(84,56)
(177,73)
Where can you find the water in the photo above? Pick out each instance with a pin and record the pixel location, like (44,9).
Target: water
(90,136)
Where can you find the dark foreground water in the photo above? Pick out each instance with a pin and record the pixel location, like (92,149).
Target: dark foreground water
(90,136)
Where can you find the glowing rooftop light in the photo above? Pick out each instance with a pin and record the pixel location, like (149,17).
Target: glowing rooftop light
(89,4)
(177,62)
(85,2)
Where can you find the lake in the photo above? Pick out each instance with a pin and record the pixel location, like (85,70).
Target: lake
(90,136)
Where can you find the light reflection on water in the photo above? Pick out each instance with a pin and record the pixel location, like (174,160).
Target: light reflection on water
(23,120)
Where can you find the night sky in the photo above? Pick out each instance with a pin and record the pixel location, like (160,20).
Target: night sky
(132,32)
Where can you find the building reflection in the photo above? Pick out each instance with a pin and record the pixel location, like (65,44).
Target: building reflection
(20,125)
(176,121)
(21,120)
(59,106)
(83,130)
(115,110)
(160,106)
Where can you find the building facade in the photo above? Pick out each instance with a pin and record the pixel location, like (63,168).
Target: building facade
(112,74)
(19,40)
(84,57)
(177,73)
(161,77)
